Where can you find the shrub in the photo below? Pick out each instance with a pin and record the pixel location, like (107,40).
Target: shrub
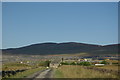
(73,63)
(64,63)
(85,63)
(46,63)
(104,62)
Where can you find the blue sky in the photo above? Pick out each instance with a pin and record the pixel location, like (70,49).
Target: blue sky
(0,25)
(85,22)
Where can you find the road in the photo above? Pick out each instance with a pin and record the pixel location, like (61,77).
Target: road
(0,74)
(47,73)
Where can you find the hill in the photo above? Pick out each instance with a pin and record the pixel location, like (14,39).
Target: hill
(63,48)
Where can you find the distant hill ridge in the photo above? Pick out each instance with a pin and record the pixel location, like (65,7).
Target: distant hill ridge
(63,48)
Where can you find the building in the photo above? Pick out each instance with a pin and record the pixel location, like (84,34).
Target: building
(54,65)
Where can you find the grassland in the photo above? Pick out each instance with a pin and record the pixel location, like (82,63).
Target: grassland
(58,74)
(70,71)
(15,66)
(29,69)
(109,67)
(26,73)
(75,54)
(114,66)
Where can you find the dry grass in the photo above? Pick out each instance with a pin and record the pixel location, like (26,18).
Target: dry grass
(109,67)
(26,73)
(113,61)
(69,71)
(15,66)
(76,54)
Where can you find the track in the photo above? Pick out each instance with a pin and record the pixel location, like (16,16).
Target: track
(47,73)
(44,74)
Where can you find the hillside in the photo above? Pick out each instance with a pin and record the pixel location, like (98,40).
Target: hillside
(63,48)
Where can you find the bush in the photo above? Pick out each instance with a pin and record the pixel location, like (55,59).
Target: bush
(104,62)
(64,63)
(45,64)
(85,63)
(73,63)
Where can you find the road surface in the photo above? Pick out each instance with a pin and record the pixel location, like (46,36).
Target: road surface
(47,73)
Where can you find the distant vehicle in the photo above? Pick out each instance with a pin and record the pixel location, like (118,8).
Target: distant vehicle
(99,64)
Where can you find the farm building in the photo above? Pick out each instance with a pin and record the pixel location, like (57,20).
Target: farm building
(54,65)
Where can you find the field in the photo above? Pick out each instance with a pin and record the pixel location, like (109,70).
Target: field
(15,66)
(76,54)
(114,66)
(109,67)
(26,73)
(70,71)
(23,66)
(21,70)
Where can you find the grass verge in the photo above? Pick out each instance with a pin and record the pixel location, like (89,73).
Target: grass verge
(26,73)
(70,71)
(58,74)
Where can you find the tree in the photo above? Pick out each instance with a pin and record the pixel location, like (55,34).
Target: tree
(45,63)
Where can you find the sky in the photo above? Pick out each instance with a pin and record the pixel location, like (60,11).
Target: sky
(0,26)
(60,0)
(26,23)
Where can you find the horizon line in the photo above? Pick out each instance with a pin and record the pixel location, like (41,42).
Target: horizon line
(60,43)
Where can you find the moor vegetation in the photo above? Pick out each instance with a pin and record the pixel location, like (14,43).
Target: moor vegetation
(63,48)
(72,71)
